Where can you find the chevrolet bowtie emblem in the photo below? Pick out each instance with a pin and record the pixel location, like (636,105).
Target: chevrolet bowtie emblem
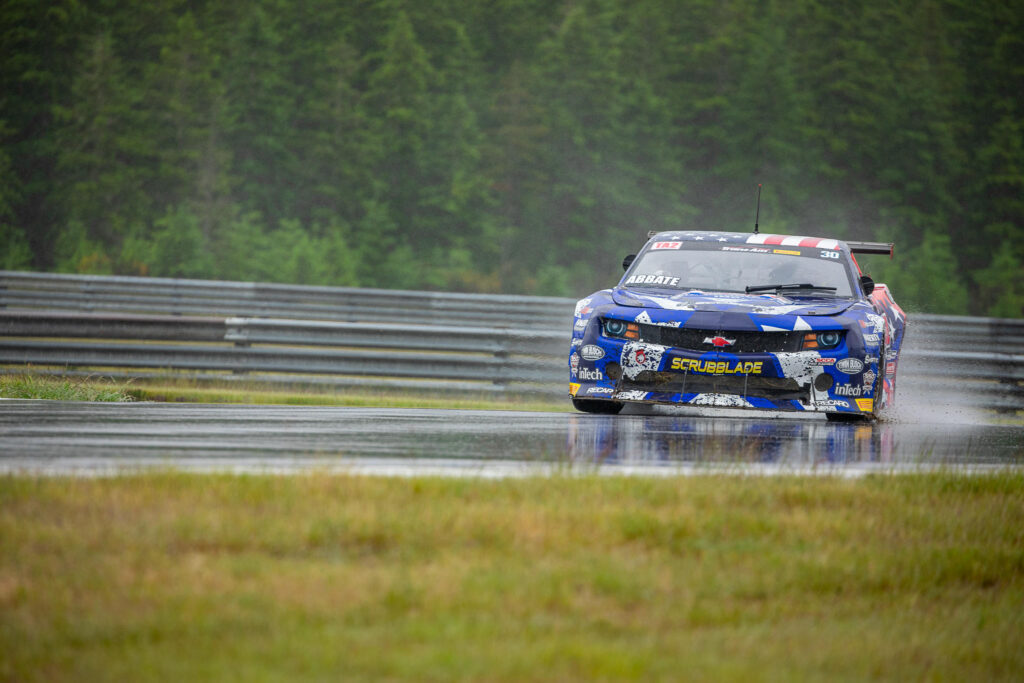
(719,341)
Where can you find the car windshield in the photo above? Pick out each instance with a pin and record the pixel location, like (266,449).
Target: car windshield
(734,267)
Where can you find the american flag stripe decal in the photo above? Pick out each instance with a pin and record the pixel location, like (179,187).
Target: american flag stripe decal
(793,241)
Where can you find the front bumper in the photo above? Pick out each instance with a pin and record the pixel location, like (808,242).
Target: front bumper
(638,372)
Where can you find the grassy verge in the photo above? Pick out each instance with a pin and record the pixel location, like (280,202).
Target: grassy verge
(29,385)
(190,392)
(178,577)
(97,388)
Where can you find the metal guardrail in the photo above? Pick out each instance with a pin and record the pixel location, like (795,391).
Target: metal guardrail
(440,342)
(123,294)
(455,358)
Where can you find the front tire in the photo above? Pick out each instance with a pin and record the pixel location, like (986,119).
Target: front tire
(597,407)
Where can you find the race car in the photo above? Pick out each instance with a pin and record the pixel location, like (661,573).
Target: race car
(740,320)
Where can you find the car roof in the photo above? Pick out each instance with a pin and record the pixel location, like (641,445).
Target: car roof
(747,238)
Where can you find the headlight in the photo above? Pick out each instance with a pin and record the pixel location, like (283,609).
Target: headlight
(822,340)
(620,329)
(827,340)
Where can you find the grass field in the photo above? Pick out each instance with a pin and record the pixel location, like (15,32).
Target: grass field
(178,577)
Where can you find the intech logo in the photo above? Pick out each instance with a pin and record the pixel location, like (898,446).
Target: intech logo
(847,390)
(589,375)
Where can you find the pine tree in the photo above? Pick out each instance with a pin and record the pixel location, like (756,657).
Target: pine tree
(103,151)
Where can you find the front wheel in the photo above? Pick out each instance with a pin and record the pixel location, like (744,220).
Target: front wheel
(599,407)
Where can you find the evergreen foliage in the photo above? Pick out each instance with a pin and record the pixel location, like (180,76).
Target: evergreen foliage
(519,146)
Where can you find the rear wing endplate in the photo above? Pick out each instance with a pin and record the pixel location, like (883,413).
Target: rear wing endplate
(871,247)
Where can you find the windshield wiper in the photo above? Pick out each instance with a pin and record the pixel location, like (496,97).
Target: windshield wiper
(802,286)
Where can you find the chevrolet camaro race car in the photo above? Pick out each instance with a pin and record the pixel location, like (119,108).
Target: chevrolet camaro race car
(740,320)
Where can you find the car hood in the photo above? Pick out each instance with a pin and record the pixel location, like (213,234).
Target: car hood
(762,304)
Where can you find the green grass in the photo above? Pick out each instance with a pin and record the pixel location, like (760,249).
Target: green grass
(172,390)
(254,393)
(31,385)
(181,577)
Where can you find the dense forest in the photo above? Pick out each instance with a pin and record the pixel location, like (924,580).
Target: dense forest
(518,146)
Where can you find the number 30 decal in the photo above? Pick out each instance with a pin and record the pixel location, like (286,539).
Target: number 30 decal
(830,254)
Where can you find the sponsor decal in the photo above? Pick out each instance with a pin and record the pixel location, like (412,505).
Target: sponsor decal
(576,342)
(870,360)
(631,395)
(869,380)
(833,402)
(847,390)
(721,400)
(890,355)
(581,324)
(754,250)
(589,375)
(653,280)
(719,341)
(573,388)
(786,251)
(710,367)
(667,245)
(574,362)
(596,391)
(639,356)
(871,339)
(581,305)
(592,352)
(849,366)
(823,361)
(865,404)
(890,368)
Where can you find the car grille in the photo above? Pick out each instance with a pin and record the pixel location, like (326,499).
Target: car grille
(780,388)
(745,341)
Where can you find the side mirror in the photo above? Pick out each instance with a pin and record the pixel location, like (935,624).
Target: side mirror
(628,261)
(867,285)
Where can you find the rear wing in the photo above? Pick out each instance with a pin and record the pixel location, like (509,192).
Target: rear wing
(871,247)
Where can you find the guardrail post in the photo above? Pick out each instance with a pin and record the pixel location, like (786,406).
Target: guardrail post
(238,332)
(87,301)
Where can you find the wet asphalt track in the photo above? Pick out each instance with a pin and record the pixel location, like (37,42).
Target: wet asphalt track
(43,437)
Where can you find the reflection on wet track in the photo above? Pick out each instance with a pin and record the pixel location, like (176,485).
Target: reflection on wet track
(91,438)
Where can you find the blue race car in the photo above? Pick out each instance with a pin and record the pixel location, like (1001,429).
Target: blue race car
(740,320)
